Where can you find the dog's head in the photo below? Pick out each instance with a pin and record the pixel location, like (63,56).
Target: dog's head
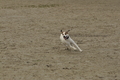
(65,34)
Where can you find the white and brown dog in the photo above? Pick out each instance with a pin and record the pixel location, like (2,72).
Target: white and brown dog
(65,38)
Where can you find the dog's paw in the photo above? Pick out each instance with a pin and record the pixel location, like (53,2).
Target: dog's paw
(80,50)
(74,48)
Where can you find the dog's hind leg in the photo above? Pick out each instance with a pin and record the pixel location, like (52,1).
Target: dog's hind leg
(71,46)
(76,45)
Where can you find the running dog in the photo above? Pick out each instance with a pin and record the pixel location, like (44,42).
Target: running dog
(66,39)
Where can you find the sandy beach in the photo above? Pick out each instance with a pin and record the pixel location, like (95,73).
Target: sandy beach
(30,48)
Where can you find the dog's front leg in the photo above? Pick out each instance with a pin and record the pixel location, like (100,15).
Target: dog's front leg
(66,47)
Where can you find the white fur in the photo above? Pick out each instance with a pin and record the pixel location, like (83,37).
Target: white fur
(69,41)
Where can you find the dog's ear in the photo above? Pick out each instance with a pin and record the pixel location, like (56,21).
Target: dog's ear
(67,31)
(61,31)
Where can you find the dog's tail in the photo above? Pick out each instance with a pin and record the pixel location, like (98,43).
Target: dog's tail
(76,46)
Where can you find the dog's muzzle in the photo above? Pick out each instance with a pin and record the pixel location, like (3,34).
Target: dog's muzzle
(66,37)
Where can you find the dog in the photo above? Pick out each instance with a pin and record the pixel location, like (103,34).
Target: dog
(66,39)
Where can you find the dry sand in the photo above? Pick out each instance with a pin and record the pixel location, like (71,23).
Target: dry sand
(30,48)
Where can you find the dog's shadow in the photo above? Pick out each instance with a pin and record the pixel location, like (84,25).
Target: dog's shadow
(69,51)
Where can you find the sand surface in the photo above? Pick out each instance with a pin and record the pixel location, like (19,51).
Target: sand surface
(30,48)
